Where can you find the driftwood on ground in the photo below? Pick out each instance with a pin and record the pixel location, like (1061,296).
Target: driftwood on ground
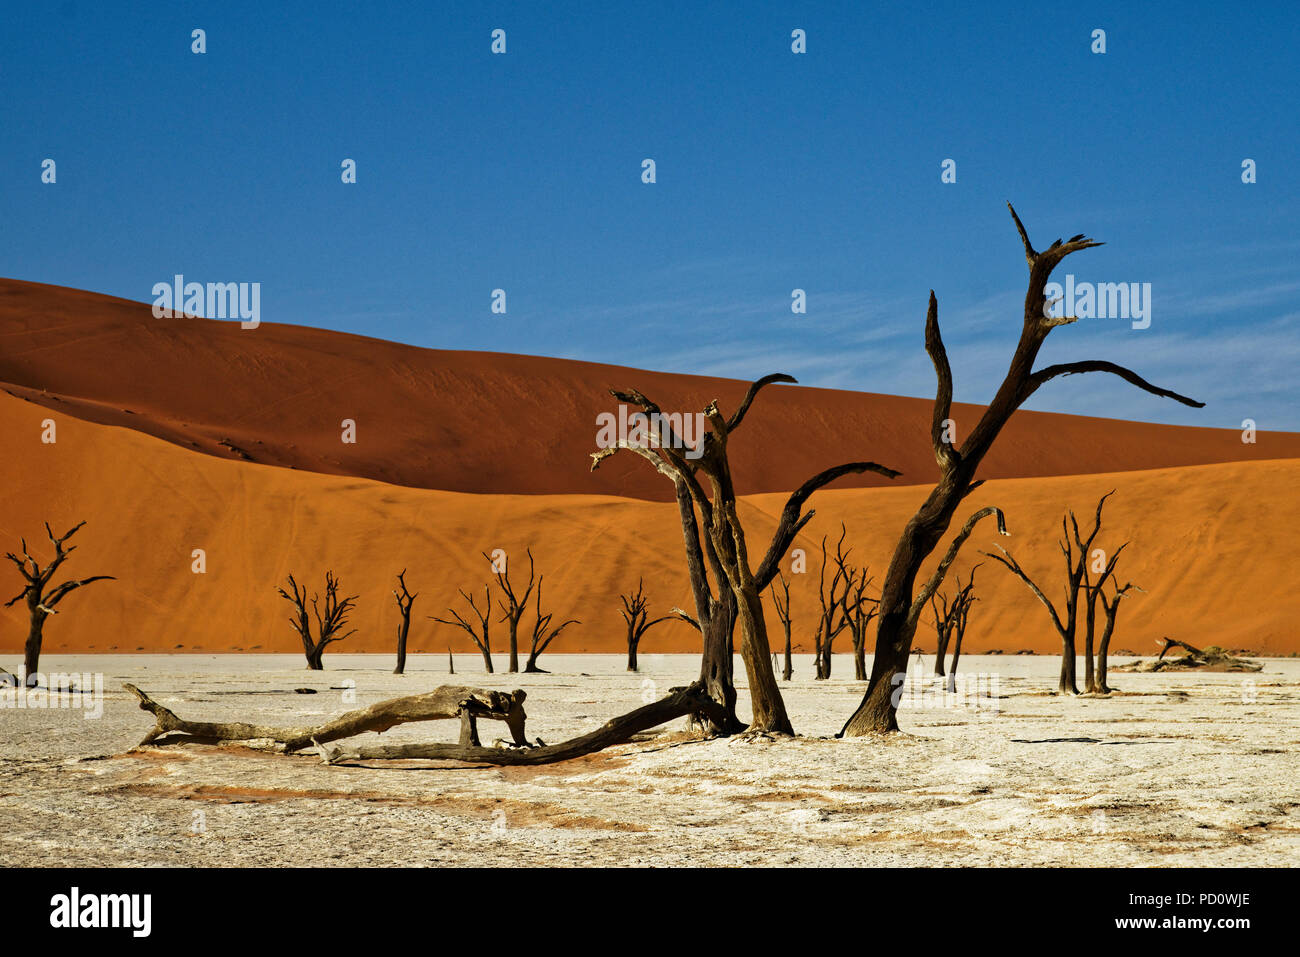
(445,702)
(678,703)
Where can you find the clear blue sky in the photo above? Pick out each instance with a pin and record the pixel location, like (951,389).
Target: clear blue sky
(775,171)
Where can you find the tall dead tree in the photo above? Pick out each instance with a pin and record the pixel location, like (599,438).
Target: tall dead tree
(781,599)
(330,618)
(950,619)
(480,634)
(1075,552)
(834,616)
(543,633)
(900,603)
(726,546)
(512,606)
(42,601)
(636,615)
(404,602)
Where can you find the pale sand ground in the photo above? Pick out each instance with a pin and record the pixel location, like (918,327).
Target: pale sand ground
(1182,769)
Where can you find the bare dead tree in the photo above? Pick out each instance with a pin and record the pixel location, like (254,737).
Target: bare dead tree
(727,546)
(636,616)
(900,604)
(834,616)
(513,606)
(860,609)
(543,633)
(1091,594)
(961,605)
(1111,607)
(1075,552)
(41,603)
(330,619)
(480,634)
(948,617)
(781,599)
(405,600)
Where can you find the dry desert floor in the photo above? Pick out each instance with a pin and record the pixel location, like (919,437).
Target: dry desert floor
(1176,769)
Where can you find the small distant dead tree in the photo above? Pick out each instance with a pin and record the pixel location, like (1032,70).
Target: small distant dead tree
(1075,550)
(950,619)
(1091,595)
(41,603)
(405,600)
(330,620)
(900,603)
(543,633)
(636,616)
(1111,606)
(833,618)
(725,547)
(781,600)
(480,633)
(512,606)
(859,610)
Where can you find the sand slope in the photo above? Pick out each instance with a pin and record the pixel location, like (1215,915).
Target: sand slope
(484,422)
(1210,544)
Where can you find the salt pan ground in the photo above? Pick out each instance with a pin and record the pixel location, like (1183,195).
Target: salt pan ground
(1177,769)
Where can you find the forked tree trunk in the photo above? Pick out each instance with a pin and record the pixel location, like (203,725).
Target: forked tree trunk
(897,628)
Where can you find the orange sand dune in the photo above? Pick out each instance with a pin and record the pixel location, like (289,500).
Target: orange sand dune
(484,422)
(1210,544)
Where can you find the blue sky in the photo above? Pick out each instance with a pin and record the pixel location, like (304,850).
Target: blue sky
(775,171)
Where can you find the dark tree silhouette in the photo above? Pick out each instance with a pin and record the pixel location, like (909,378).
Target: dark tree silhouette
(513,606)
(480,634)
(727,546)
(330,620)
(637,618)
(900,603)
(1075,549)
(42,601)
(405,600)
(859,611)
(950,619)
(543,633)
(834,616)
(781,599)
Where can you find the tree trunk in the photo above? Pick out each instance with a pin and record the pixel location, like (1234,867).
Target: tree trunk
(788,672)
(956,656)
(32,650)
(1090,624)
(1067,683)
(514,645)
(402,630)
(769,710)
(631,654)
(315,659)
(860,654)
(717,665)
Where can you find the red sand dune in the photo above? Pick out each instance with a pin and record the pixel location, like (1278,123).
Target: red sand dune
(1210,544)
(493,423)
(137,399)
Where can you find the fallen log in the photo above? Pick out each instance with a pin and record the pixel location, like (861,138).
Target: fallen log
(679,702)
(445,702)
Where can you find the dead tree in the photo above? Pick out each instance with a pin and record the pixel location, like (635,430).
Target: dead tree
(1111,607)
(512,606)
(41,603)
(1075,552)
(678,703)
(636,616)
(726,544)
(445,702)
(543,633)
(404,602)
(481,635)
(1091,595)
(329,621)
(900,603)
(781,600)
(860,610)
(956,614)
(834,616)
